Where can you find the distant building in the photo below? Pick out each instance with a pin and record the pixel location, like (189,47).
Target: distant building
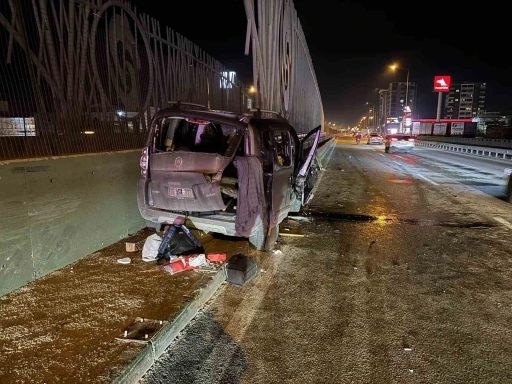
(397,103)
(392,102)
(465,100)
(485,119)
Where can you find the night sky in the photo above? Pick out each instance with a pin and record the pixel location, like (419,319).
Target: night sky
(353,43)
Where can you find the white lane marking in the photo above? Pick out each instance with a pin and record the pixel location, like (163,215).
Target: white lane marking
(382,155)
(400,164)
(503,221)
(427,179)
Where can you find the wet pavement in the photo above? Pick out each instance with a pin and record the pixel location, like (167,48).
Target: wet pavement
(404,276)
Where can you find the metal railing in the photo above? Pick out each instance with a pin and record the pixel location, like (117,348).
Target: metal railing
(499,153)
(82,76)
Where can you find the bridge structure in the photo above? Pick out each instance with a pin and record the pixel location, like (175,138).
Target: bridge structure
(79,83)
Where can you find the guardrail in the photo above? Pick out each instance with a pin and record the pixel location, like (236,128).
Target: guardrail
(499,153)
(478,141)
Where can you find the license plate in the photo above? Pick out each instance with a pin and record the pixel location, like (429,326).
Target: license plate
(181,192)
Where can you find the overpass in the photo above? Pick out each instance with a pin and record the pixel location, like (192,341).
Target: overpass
(80,81)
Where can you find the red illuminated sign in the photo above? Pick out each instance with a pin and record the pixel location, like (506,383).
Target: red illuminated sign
(441,83)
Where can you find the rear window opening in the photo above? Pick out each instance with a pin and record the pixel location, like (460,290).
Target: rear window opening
(192,135)
(175,134)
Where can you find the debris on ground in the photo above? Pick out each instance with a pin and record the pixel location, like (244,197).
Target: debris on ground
(289,228)
(240,269)
(124,260)
(178,240)
(150,249)
(277,252)
(141,330)
(216,257)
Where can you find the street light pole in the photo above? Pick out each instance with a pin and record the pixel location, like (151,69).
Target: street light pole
(407,92)
(394,67)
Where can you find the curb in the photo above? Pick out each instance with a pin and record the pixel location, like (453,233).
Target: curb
(159,343)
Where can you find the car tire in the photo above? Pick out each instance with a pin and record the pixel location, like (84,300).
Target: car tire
(386,149)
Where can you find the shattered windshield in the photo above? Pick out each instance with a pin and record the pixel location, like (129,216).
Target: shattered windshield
(193,135)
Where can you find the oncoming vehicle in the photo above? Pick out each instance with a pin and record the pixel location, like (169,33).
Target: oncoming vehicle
(399,143)
(236,175)
(374,138)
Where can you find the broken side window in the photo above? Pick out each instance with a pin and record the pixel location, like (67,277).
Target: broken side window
(283,148)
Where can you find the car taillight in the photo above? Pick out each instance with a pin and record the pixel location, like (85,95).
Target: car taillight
(394,139)
(144,162)
(410,140)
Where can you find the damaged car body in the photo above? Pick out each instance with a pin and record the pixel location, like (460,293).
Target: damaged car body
(236,175)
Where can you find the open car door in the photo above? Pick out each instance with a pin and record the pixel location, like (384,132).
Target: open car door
(304,179)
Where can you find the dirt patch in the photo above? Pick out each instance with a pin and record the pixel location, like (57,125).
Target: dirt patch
(62,328)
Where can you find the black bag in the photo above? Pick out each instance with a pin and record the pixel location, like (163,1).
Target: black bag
(240,269)
(177,241)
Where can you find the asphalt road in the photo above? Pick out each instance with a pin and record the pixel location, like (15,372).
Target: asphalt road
(404,277)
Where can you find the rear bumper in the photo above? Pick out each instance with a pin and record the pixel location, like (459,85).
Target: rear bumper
(402,148)
(216,224)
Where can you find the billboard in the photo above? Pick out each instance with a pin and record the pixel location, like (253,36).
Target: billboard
(440,129)
(457,129)
(441,83)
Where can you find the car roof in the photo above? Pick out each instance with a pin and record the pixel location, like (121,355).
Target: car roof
(220,117)
(217,116)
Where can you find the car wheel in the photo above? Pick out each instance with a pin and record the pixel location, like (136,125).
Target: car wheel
(386,149)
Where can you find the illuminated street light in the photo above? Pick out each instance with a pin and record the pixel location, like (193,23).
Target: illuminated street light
(252,89)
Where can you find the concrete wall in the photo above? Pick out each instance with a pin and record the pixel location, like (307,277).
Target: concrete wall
(56,211)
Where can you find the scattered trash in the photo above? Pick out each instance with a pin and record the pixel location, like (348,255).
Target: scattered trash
(185,263)
(407,349)
(178,240)
(277,252)
(141,330)
(197,261)
(337,231)
(411,370)
(286,234)
(355,268)
(207,268)
(240,269)
(300,218)
(124,260)
(216,257)
(131,247)
(150,249)
(286,229)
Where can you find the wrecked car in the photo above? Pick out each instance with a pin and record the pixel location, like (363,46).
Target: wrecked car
(237,175)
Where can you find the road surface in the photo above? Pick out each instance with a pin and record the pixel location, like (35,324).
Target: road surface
(404,277)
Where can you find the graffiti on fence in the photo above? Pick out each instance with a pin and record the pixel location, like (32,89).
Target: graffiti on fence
(91,73)
(282,68)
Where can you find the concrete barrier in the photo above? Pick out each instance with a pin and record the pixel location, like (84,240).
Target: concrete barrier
(477,141)
(499,153)
(55,211)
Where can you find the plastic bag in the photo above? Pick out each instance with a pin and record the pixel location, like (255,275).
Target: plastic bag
(150,250)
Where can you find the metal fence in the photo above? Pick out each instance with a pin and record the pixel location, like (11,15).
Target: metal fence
(283,72)
(82,76)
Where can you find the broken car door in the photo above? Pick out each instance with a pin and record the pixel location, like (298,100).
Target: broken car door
(307,152)
(282,172)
